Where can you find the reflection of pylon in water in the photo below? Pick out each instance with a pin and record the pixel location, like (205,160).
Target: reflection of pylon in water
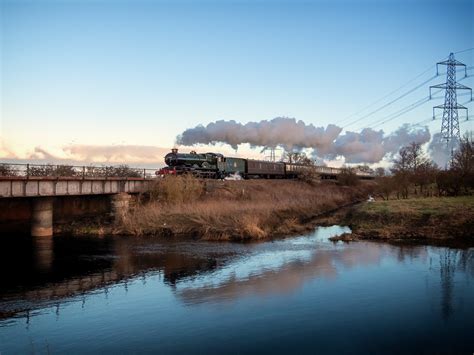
(450,124)
(447,271)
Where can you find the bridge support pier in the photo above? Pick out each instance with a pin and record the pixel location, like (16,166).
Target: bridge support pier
(120,204)
(44,252)
(42,217)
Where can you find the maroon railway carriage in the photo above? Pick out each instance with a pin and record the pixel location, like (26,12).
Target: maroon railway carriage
(265,169)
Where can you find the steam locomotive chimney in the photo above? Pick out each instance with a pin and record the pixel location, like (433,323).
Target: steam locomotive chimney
(174,150)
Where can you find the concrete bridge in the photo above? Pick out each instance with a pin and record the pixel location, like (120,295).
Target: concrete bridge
(41,185)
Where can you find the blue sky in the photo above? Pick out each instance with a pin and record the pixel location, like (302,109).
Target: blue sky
(108,73)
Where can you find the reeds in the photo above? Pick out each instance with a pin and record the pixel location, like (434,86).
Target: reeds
(234,210)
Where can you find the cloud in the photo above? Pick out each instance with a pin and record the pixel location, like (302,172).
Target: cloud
(5,151)
(280,131)
(439,151)
(367,146)
(370,146)
(90,154)
(116,153)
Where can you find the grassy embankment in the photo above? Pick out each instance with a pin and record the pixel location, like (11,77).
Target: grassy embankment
(437,218)
(236,210)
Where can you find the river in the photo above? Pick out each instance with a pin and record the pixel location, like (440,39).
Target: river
(296,295)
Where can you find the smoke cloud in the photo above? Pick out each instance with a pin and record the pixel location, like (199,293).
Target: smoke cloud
(439,151)
(281,131)
(367,146)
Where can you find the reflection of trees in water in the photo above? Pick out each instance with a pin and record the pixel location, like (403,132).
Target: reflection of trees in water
(182,266)
(450,261)
(410,252)
(78,274)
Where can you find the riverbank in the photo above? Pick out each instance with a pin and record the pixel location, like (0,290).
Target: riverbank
(243,210)
(416,219)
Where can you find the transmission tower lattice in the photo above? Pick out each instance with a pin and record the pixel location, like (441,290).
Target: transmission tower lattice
(450,124)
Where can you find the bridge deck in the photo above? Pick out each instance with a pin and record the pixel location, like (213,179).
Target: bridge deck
(21,186)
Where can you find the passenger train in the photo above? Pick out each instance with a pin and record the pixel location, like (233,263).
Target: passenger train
(215,165)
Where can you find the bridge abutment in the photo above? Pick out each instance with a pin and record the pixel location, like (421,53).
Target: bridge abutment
(42,217)
(120,204)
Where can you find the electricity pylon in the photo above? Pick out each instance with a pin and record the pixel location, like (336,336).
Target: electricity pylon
(450,124)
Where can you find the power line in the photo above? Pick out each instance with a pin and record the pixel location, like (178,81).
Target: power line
(390,102)
(428,120)
(464,50)
(400,112)
(392,92)
(409,108)
(387,95)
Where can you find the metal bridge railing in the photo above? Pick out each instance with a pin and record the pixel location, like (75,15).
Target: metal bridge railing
(73,171)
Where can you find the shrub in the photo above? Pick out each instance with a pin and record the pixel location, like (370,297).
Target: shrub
(449,183)
(310,176)
(42,170)
(124,171)
(347,177)
(177,189)
(385,186)
(8,170)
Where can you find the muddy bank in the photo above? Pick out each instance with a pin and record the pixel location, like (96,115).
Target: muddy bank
(425,219)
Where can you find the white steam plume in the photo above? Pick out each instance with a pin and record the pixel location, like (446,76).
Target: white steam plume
(439,150)
(368,146)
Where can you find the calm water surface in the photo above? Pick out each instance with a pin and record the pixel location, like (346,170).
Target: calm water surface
(298,295)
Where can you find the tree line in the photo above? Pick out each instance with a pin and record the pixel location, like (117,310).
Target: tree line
(414,174)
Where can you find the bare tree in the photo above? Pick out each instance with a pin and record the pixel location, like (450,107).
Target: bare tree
(297,158)
(348,177)
(365,169)
(380,172)
(385,186)
(463,162)
(413,167)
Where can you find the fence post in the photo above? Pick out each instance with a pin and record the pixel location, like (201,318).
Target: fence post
(27,171)
(83,172)
(144,173)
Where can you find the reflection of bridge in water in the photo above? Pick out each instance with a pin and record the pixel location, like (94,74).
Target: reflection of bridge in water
(60,270)
(55,279)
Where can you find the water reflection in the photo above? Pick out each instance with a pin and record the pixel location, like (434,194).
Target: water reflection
(285,268)
(43,276)
(202,272)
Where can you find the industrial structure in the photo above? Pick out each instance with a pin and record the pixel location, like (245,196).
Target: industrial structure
(450,123)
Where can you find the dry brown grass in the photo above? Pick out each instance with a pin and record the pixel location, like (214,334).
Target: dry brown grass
(237,210)
(177,189)
(420,218)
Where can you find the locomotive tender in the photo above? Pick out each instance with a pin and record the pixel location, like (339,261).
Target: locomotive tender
(214,165)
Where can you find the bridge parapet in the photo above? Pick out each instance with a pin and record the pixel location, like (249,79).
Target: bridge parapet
(73,171)
(41,187)
(30,180)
